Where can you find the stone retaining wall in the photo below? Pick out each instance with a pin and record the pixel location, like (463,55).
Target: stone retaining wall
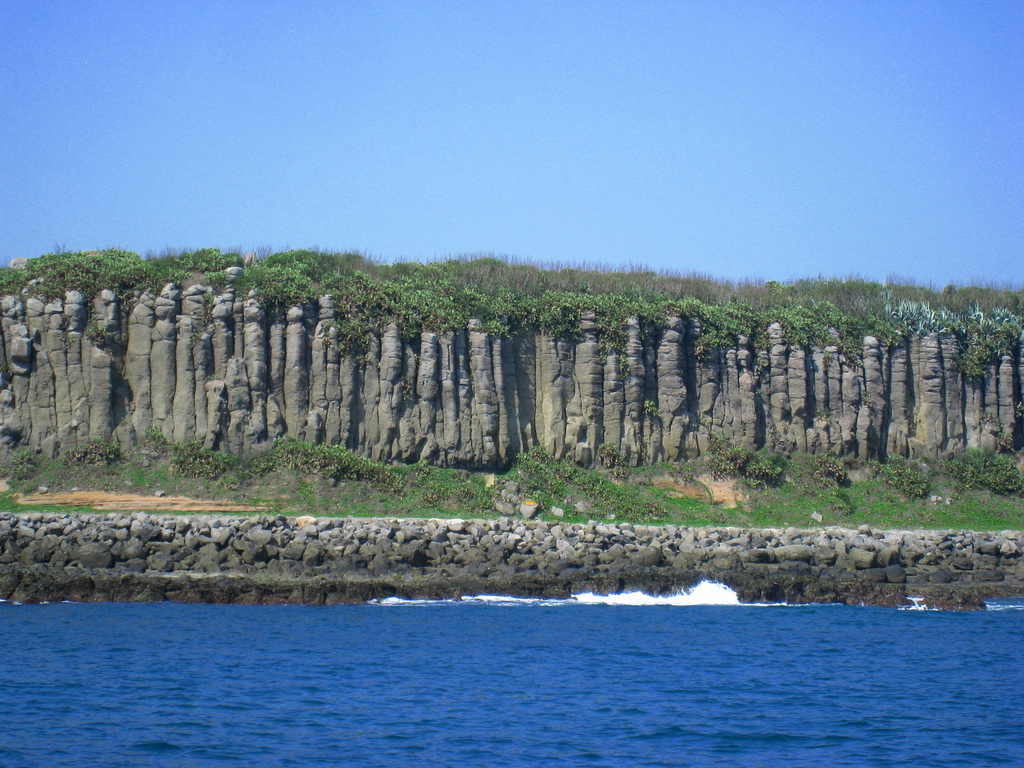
(496,552)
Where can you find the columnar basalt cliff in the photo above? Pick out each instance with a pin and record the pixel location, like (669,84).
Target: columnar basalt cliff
(225,370)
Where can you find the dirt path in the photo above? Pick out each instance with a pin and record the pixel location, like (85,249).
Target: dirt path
(124,502)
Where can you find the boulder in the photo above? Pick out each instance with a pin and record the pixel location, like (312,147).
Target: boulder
(529,509)
(895,574)
(646,557)
(504,508)
(95,554)
(756,556)
(860,559)
(798,552)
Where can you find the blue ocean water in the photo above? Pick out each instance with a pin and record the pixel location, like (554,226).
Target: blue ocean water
(689,682)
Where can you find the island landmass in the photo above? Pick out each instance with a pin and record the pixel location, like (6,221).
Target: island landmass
(487,426)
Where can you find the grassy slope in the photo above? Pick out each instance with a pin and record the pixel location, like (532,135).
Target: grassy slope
(421,491)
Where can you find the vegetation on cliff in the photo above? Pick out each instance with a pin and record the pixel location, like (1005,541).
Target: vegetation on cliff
(506,294)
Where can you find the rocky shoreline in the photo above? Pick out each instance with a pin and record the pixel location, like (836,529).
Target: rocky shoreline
(274,559)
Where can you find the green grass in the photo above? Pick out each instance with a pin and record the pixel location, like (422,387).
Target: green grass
(300,478)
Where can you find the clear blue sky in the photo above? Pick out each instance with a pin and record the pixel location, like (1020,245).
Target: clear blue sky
(741,139)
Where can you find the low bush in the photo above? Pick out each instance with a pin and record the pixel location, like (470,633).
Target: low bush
(824,470)
(335,462)
(193,460)
(727,462)
(87,271)
(765,469)
(178,268)
(96,453)
(278,284)
(154,438)
(506,295)
(451,488)
(756,467)
(905,477)
(22,464)
(977,469)
(609,457)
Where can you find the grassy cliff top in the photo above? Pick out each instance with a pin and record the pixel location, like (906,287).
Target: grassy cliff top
(506,295)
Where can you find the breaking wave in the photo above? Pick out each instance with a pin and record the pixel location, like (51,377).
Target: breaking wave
(704,593)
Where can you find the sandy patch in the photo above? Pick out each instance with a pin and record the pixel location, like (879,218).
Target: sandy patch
(726,493)
(125,502)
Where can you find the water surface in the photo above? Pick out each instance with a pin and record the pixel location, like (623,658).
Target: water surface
(690,681)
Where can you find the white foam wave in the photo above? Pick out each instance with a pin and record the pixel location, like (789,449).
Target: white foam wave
(704,593)
(1007,606)
(916,604)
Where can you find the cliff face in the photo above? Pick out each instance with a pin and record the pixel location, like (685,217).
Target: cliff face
(229,372)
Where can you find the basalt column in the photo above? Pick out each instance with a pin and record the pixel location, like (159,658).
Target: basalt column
(222,368)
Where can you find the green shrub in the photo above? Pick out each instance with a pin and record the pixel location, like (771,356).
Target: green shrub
(22,464)
(507,295)
(765,469)
(257,465)
(448,487)
(609,457)
(193,460)
(11,281)
(96,453)
(728,462)
(279,284)
(758,468)
(978,469)
(335,462)
(905,477)
(208,260)
(824,470)
(155,438)
(87,271)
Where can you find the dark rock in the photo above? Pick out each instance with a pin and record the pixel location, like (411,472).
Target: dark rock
(259,536)
(293,550)
(895,574)
(888,556)
(414,553)
(797,552)
(314,553)
(254,553)
(860,559)
(95,554)
(647,557)
(160,562)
